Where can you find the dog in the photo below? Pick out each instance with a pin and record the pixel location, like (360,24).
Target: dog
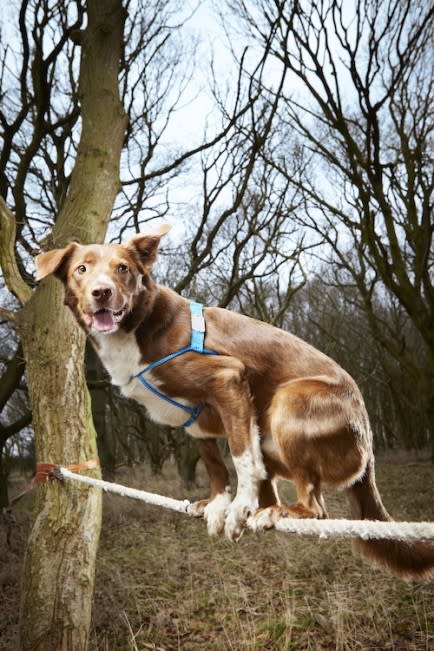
(286,409)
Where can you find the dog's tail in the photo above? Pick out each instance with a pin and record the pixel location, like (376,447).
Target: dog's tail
(411,560)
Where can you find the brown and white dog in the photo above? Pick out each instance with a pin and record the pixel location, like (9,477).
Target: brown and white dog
(286,409)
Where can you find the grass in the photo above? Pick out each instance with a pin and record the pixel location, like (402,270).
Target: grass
(163,584)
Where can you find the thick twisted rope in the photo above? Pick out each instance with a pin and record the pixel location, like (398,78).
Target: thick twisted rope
(125,491)
(323,528)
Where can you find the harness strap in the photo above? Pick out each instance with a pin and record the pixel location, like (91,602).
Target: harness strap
(196,345)
(197,327)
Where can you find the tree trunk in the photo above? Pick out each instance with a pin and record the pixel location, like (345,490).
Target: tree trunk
(4,492)
(60,559)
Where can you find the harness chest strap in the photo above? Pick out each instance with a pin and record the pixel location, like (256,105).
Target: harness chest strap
(196,345)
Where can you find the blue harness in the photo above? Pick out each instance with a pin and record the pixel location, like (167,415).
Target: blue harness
(196,346)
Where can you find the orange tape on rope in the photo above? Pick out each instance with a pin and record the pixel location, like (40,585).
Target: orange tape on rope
(49,471)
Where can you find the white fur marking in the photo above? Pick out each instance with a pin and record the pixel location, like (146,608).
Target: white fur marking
(103,280)
(215,512)
(256,450)
(320,425)
(159,410)
(250,471)
(121,357)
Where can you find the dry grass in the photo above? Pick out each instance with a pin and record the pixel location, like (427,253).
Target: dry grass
(162,584)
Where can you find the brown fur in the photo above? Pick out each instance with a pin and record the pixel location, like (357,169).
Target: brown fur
(311,416)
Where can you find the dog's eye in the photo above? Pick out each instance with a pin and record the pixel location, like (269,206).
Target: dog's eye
(122,268)
(81,269)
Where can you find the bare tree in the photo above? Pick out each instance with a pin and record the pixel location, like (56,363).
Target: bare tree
(52,612)
(15,414)
(359,97)
(333,318)
(63,129)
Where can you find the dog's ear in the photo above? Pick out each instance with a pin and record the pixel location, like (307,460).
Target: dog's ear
(54,262)
(146,244)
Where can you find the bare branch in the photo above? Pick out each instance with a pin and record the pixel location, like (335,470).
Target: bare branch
(8,315)
(8,261)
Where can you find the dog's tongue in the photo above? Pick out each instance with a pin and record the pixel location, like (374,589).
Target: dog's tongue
(103,320)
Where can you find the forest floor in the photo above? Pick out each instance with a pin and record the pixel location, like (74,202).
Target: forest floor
(162,584)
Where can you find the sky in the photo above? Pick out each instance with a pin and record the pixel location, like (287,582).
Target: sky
(190,122)
(196,114)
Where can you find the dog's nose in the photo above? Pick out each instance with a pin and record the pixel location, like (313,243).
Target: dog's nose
(101,293)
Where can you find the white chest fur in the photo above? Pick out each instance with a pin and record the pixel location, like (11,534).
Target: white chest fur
(120,355)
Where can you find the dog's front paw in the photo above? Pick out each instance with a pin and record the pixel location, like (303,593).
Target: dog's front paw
(236,520)
(215,512)
(263,519)
(197,509)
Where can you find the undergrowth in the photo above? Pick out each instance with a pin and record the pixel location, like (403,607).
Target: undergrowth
(179,589)
(162,584)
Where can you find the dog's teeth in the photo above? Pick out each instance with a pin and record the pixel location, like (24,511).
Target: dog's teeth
(118,315)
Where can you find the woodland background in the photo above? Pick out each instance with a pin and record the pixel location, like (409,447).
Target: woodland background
(290,144)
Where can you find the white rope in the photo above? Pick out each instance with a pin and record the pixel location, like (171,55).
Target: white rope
(323,528)
(150,498)
(358,529)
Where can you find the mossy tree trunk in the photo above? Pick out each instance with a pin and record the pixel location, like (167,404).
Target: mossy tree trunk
(60,559)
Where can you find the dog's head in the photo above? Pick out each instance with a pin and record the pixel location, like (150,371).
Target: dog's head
(104,283)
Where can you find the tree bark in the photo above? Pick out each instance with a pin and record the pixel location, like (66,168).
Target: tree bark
(4,492)
(60,559)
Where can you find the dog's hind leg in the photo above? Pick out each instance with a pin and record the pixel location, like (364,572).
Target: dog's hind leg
(268,495)
(320,433)
(310,504)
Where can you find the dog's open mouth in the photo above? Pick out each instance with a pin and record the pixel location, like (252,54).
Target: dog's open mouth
(104,320)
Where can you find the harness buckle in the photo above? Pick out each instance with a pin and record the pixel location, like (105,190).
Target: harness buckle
(197,322)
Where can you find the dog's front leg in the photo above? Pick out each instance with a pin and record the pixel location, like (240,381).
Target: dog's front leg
(231,396)
(213,509)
